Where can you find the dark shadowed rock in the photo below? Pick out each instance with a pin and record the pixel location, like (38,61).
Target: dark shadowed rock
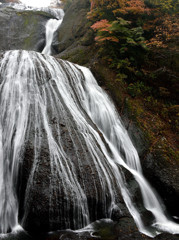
(17,236)
(125,229)
(164,176)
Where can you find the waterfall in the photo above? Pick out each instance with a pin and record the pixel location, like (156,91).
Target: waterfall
(36,88)
(51,27)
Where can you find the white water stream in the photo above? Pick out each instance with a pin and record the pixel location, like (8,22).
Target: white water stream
(51,27)
(21,95)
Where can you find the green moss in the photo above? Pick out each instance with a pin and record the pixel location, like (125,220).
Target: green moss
(27,42)
(106,233)
(29,39)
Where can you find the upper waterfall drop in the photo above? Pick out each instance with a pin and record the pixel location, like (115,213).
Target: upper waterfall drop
(51,27)
(48,107)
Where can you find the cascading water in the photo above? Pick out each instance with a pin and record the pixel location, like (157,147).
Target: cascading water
(30,83)
(51,27)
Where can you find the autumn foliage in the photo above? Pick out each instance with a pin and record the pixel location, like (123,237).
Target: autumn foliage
(139,40)
(103,27)
(165,32)
(158,19)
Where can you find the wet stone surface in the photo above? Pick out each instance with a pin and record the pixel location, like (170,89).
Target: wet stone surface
(125,229)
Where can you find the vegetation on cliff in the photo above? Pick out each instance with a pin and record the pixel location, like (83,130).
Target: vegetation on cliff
(130,33)
(137,40)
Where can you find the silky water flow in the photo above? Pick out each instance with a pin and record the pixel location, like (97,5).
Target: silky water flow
(29,82)
(51,27)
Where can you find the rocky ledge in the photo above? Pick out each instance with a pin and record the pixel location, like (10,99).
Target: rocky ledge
(22,29)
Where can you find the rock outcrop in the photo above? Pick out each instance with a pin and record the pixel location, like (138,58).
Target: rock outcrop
(74,35)
(22,29)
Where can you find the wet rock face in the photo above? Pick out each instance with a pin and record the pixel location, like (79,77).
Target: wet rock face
(125,229)
(164,177)
(62,182)
(48,207)
(22,29)
(49,199)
